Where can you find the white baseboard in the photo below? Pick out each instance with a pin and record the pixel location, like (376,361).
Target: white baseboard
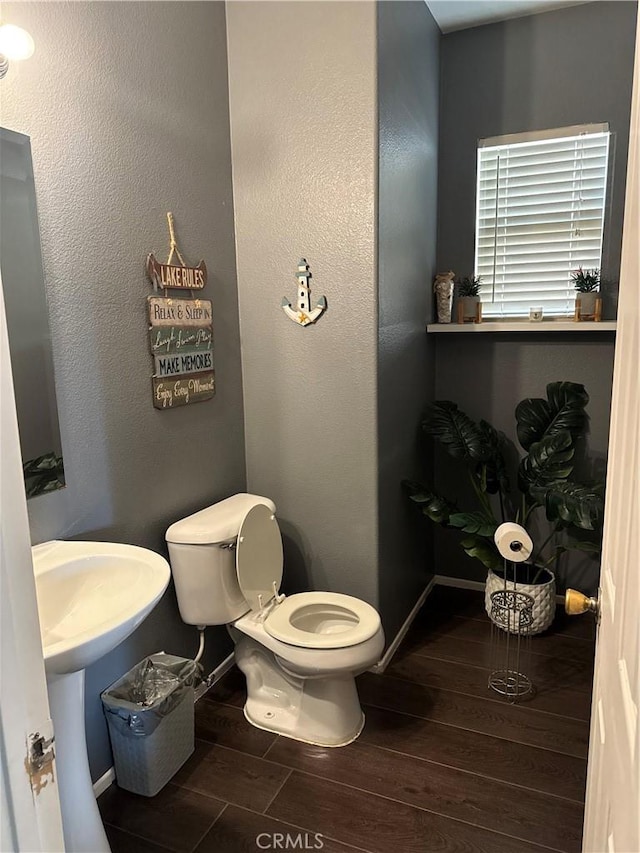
(105,781)
(385,660)
(215,676)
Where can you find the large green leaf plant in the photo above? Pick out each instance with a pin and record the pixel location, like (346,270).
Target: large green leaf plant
(548,430)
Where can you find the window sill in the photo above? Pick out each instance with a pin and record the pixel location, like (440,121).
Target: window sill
(523,326)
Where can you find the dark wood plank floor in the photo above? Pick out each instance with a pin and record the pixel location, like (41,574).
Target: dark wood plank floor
(442,764)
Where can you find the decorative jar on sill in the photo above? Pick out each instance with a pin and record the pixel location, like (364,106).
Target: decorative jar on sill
(443,288)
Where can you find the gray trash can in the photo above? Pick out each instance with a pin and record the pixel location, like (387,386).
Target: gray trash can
(150,715)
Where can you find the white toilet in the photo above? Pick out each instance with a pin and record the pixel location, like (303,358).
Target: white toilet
(300,654)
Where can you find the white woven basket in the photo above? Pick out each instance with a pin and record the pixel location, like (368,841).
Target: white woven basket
(543,595)
(144,765)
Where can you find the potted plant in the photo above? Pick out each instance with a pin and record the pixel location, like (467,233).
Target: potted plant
(43,474)
(547,431)
(469,298)
(587,285)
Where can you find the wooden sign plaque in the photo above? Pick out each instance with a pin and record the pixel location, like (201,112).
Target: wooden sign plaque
(192,388)
(179,312)
(190,362)
(170,276)
(180,339)
(169,339)
(180,332)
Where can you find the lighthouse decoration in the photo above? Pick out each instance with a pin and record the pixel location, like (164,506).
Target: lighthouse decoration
(303,314)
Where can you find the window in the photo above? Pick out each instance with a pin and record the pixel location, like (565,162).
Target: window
(539,215)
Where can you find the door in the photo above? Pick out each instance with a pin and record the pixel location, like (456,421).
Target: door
(29,805)
(612,814)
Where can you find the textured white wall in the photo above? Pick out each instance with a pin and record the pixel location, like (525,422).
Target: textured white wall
(126,105)
(303,127)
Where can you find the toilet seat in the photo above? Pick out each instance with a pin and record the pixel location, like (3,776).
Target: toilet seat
(308,620)
(312,662)
(322,620)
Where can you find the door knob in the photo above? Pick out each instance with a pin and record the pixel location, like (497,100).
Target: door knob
(576,602)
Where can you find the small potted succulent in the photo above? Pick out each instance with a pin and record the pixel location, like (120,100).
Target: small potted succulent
(587,285)
(558,511)
(469,298)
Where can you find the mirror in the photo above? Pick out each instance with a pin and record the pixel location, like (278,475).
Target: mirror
(28,318)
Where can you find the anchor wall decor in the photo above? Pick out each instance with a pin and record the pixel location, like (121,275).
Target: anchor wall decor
(303,314)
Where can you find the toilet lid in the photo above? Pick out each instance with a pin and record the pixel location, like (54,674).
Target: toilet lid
(259,557)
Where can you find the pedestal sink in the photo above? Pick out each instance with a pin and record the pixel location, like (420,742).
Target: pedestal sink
(91,596)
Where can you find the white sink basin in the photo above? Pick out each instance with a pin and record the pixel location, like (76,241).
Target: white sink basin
(91,596)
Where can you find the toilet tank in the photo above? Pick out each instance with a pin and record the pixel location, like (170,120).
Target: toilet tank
(203,561)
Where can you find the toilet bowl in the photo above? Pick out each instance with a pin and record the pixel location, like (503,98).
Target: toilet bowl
(301,653)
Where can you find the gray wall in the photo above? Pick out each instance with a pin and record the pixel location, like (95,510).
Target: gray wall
(408,75)
(570,66)
(302,83)
(559,68)
(126,105)
(488,375)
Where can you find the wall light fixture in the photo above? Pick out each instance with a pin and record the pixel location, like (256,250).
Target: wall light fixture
(15,44)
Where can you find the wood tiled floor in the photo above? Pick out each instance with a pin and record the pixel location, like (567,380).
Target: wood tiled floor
(441,767)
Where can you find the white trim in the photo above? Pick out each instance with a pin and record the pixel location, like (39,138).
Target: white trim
(221,670)
(30,818)
(558,183)
(105,781)
(541,135)
(525,326)
(385,660)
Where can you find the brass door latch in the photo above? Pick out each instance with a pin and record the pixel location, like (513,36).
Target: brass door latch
(576,602)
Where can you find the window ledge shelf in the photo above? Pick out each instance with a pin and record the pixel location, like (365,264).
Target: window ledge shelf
(523,326)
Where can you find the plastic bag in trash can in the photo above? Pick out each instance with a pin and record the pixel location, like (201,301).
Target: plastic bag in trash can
(137,703)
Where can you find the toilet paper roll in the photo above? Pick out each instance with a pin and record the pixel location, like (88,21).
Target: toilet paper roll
(513,542)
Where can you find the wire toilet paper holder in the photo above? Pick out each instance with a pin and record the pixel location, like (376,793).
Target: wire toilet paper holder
(510,650)
(511,612)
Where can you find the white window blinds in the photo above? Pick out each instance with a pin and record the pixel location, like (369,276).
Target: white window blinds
(539,216)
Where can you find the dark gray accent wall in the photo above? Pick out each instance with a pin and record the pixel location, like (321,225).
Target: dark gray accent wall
(303,126)
(126,105)
(555,69)
(408,77)
(488,375)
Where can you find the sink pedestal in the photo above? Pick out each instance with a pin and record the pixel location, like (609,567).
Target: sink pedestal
(91,597)
(81,821)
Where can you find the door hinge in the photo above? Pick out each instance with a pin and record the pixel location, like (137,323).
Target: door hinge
(40,758)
